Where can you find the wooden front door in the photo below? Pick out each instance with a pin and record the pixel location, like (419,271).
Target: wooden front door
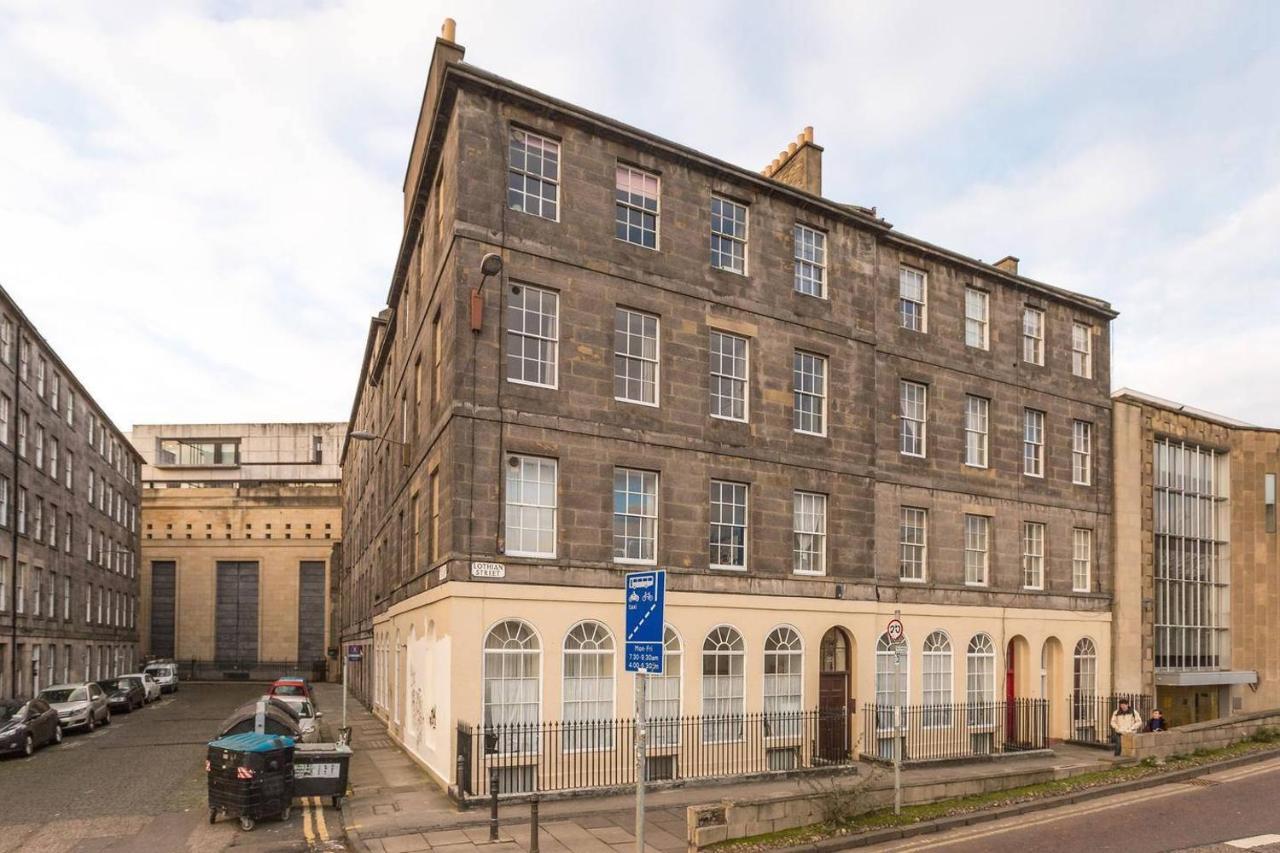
(833,716)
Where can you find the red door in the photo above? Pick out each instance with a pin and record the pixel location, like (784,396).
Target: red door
(1010,693)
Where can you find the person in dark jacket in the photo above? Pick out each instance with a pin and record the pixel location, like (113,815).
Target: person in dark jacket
(1157,722)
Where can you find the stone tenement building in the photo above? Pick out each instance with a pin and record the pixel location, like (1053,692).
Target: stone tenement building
(238,523)
(1198,568)
(68,522)
(809,418)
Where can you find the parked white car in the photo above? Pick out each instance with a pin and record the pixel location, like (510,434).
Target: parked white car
(152,686)
(308,716)
(165,674)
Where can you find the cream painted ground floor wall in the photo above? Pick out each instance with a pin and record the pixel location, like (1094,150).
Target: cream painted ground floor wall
(428,655)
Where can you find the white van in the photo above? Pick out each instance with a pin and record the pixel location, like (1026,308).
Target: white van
(165,674)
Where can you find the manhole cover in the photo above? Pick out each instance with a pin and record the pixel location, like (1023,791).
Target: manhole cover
(1201,782)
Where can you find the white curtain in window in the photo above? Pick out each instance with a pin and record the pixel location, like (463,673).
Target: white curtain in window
(783,665)
(588,687)
(512,661)
(936,675)
(723,685)
(662,694)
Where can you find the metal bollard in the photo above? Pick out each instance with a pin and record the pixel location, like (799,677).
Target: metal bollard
(533,824)
(493,804)
(462,792)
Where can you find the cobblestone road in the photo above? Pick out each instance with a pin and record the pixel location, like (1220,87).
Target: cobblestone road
(137,785)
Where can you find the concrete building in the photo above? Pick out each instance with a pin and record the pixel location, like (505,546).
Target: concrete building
(1197,564)
(68,522)
(809,418)
(238,524)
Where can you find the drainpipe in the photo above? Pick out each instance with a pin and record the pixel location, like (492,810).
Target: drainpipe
(13,506)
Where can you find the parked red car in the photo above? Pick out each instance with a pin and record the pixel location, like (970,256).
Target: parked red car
(292,686)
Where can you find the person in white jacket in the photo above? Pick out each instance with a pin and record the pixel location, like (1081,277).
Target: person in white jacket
(1124,721)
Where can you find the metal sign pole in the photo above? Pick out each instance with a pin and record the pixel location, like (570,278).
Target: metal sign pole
(641,763)
(897,719)
(345,658)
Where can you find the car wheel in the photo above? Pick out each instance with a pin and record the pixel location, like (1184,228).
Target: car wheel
(106,720)
(29,745)
(57,734)
(246,823)
(92,723)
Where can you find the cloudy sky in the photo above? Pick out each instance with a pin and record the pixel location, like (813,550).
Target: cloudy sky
(200,202)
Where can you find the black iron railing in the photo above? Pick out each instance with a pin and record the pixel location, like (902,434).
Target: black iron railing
(249,670)
(561,756)
(954,732)
(1090,721)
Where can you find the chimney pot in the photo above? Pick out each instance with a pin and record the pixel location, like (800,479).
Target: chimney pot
(1008,263)
(808,133)
(791,149)
(449,30)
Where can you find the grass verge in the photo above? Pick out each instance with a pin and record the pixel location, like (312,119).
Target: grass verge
(1265,740)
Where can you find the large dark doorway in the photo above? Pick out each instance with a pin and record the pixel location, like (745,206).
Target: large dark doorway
(311,608)
(834,677)
(237,614)
(163,602)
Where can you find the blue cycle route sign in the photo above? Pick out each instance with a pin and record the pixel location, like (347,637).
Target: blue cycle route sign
(646,594)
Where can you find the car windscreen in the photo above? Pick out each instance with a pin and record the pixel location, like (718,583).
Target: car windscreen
(68,694)
(288,690)
(12,709)
(304,709)
(121,685)
(157,671)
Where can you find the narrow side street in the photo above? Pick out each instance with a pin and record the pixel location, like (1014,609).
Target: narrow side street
(138,786)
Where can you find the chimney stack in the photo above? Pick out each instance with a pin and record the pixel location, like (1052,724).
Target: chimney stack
(799,164)
(1008,263)
(444,51)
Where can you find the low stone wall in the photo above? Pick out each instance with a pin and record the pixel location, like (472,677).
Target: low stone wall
(731,819)
(1213,734)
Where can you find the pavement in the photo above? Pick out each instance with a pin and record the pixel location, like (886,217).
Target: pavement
(394,807)
(1223,812)
(139,785)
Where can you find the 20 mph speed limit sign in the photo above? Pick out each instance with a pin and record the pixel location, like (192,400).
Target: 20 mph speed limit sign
(895,631)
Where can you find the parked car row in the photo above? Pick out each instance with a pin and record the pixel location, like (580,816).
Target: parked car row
(288,708)
(28,724)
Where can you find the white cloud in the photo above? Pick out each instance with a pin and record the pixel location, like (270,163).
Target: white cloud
(200,202)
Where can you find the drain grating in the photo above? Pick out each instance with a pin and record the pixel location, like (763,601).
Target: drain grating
(1201,782)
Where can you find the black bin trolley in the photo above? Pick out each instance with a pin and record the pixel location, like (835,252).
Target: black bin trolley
(250,777)
(320,770)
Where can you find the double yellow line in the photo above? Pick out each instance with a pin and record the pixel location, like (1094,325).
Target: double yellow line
(313,815)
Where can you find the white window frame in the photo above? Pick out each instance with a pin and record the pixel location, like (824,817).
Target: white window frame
(525,644)
(716,506)
(724,688)
(589,649)
(720,239)
(1082,350)
(890,696)
(783,682)
(1033,335)
(622,355)
(809,533)
(1033,461)
(647,515)
(977,318)
(913,408)
(977,541)
(542,344)
(913,544)
(540,464)
(1033,546)
(917,319)
(544,144)
(809,382)
(937,679)
(1081,453)
(977,425)
(662,693)
(810,253)
(630,206)
(721,380)
(1081,559)
(980,680)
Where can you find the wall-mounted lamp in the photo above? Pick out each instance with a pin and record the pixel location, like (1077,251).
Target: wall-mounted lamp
(365,435)
(490,265)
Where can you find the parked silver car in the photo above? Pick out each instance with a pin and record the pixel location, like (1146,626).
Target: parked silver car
(82,705)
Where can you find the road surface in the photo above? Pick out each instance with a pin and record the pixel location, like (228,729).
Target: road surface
(139,785)
(1241,805)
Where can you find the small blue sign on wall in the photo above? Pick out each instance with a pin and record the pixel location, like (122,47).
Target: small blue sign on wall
(646,594)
